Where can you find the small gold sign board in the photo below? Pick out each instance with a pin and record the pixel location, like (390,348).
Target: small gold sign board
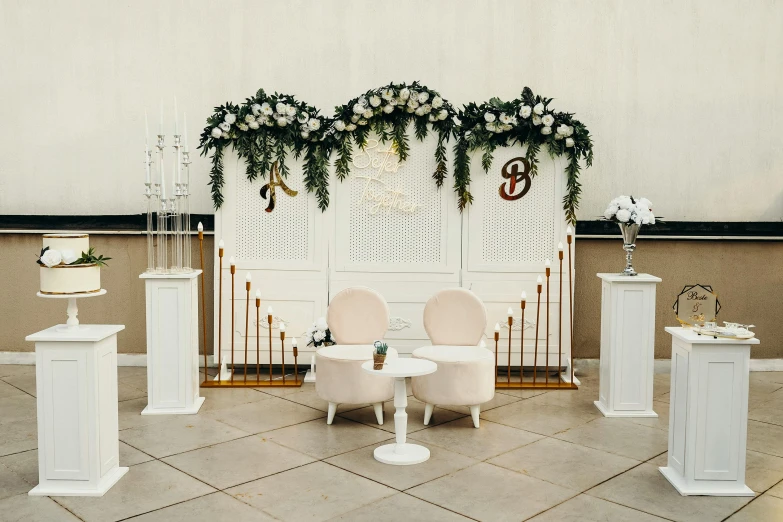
(696,305)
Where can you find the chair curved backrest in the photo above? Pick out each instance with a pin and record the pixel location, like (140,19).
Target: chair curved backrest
(455,316)
(357,315)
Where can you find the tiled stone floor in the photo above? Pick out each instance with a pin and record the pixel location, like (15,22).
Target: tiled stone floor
(253,455)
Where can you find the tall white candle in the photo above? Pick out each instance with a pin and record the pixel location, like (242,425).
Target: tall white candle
(176,118)
(160,129)
(146,149)
(185,131)
(162,177)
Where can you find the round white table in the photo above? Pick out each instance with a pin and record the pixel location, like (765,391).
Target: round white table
(401,453)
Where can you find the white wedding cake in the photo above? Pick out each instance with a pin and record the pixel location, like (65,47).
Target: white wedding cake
(63,270)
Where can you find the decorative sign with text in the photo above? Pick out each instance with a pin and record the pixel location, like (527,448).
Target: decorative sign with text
(696,304)
(518,182)
(377,165)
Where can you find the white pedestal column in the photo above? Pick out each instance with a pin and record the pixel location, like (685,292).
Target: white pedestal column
(708,414)
(76,389)
(172,344)
(627,345)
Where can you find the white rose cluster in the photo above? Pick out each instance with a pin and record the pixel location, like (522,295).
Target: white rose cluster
(223,129)
(501,122)
(52,258)
(627,209)
(387,100)
(317,333)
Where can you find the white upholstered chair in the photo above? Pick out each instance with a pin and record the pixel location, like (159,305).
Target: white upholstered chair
(356,317)
(455,320)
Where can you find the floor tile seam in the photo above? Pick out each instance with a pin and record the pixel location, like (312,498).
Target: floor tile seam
(223,490)
(259,432)
(380,442)
(629,507)
(755,497)
(767,423)
(449,408)
(476,458)
(190,450)
(551,507)
(18,453)
(170,505)
(18,388)
(64,507)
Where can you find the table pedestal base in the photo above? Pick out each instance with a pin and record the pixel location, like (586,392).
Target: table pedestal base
(714,488)
(620,413)
(406,455)
(75,488)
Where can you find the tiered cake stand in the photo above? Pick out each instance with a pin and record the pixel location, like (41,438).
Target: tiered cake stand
(72,325)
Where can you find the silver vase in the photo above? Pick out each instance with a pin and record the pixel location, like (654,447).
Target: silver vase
(630,231)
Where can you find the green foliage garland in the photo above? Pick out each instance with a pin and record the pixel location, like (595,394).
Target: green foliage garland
(527,120)
(266,128)
(388,111)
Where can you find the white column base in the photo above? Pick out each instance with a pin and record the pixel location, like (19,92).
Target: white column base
(714,488)
(309,376)
(401,454)
(566,375)
(75,488)
(192,410)
(606,412)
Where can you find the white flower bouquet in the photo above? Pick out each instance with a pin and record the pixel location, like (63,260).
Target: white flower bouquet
(630,210)
(318,334)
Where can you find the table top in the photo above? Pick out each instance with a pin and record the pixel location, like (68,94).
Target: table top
(87,332)
(407,367)
(171,275)
(689,336)
(620,278)
(72,296)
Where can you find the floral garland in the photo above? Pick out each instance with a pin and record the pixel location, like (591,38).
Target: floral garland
(388,111)
(263,130)
(266,127)
(528,120)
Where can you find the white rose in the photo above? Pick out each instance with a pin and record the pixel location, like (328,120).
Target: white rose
(423,97)
(291,111)
(427,108)
(504,118)
(646,202)
(51,258)
(562,129)
(321,323)
(490,126)
(546,130)
(443,114)
(507,127)
(253,125)
(623,202)
(225,126)
(216,132)
(609,212)
(432,117)
(362,122)
(569,142)
(419,111)
(302,118)
(339,125)
(388,109)
(350,127)
(489,117)
(249,118)
(548,120)
(558,136)
(375,101)
(230,118)
(355,118)
(405,93)
(319,336)
(437,102)
(387,94)
(69,256)
(623,215)
(243,127)
(536,119)
(281,108)
(367,113)
(358,109)
(525,111)
(362,101)
(266,109)
(456,121)
(314,124)
(305,134)
(539,109)
(256,108)
(282,121)
(413,103)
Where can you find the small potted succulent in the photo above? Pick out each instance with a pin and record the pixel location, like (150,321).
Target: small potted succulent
(379,355)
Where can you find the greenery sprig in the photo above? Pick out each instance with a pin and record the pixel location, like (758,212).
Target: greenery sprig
(89,258)
(526,121)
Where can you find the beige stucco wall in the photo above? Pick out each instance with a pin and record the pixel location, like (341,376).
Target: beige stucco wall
(746,275)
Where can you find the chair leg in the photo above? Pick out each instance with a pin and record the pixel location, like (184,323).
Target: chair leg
(332,411)
(474,413)
(378,407)
(428,413)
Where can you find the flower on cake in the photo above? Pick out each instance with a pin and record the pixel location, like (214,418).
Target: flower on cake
(51,258)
